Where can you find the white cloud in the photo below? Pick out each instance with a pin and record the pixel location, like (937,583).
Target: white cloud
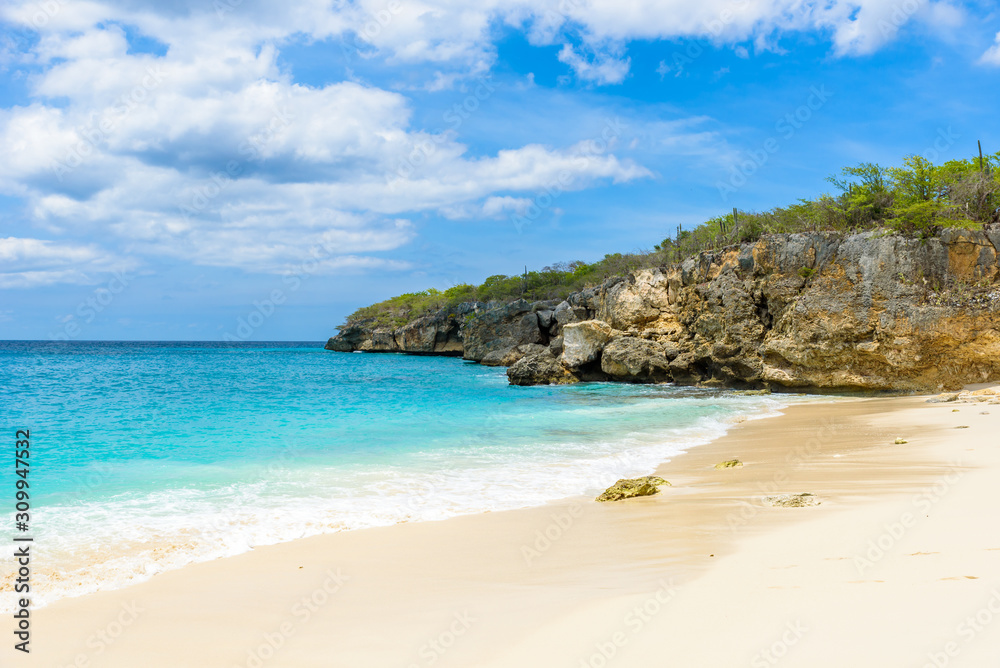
(230,163)
(34,262)
(213,152)
(602,69)
(459,37)
(861,27)
(495,207)
(992,54)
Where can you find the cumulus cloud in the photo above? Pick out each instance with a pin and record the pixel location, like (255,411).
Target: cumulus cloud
(234,164)
(30,263)
(602,68)
(495,207)
(498,206)
(206,147)
(992,54)
(461,36)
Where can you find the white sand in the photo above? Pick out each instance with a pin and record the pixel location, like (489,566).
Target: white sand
(702,575)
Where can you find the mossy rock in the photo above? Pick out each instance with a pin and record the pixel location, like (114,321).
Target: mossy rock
(729,464)
(626,488)
(900,441)
(792,500)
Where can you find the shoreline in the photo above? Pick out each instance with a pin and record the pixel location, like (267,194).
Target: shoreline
(637,455)
(556,581)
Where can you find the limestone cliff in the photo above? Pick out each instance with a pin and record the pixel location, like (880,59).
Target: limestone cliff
(436,334)
(819,310)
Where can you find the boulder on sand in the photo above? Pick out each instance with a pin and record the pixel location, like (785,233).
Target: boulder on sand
(626,488)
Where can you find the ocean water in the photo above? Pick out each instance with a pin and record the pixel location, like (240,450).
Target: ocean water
(149,456)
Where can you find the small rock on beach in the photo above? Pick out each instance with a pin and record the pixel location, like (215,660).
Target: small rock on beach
(627,488)
(792,500)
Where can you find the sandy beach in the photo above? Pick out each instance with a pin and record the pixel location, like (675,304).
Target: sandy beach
(899,565)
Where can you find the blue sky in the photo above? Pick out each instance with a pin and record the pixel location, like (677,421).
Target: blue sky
(254,170)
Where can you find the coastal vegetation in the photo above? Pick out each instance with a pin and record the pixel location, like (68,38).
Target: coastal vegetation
(916,199)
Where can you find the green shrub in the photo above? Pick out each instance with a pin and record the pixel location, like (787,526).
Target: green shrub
(916,199)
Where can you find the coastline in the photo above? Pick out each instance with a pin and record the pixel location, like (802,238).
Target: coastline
(559,584)
(491,460)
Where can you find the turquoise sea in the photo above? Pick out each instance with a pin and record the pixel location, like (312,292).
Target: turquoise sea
(149,456)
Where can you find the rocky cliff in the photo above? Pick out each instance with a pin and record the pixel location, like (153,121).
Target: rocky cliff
(436,334)
(820,310)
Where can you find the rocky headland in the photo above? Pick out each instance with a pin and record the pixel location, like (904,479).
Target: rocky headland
(869,311)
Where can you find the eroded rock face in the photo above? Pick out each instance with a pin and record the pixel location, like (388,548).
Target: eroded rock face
(348,339)
(583,342)
(498,331)
(629,358)
(436,334)
(869,311)
(540,368)
(511,356)
(634,301)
